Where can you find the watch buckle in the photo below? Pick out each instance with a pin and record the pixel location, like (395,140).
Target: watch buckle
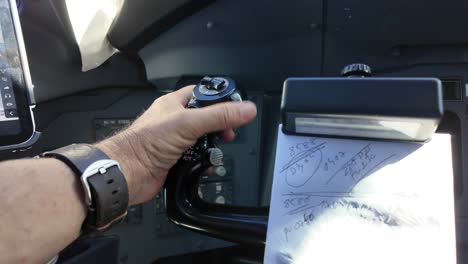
(98,167)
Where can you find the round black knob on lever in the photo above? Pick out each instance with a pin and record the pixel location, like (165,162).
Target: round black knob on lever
(356,70)
(214,90)
(184,206)
(214,84)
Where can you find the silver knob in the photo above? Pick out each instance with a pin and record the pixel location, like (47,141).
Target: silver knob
(215,156)
(220,171)
(220,200)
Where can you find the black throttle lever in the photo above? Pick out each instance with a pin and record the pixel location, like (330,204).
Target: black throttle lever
(184,206)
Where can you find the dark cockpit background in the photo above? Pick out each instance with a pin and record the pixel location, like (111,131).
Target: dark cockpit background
(168,44)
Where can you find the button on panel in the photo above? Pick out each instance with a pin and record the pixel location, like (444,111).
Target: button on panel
(7,95)
(217,187)
(216,192)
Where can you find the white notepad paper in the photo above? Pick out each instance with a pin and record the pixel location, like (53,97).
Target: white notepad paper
(359,201)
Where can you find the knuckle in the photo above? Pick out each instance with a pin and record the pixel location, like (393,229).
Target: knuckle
(190,126)
(161,99)
(229,115)
(158,101)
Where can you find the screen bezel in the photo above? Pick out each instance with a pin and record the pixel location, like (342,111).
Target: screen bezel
(22,91)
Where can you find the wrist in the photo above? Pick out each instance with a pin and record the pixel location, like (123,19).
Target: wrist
(121,149)
(103,184)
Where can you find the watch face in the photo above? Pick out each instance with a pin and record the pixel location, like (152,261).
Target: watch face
(16,125)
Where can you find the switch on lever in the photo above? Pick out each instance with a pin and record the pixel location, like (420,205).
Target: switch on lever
(215,156)
(184,206)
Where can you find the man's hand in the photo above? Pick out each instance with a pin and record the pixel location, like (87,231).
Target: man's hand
(41,200)
(156,140)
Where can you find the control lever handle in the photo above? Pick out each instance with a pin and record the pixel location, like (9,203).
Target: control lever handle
(185,208)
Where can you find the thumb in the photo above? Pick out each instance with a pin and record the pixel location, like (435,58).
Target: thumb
(220,117)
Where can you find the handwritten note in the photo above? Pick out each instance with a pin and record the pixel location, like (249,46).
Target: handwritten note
(358,201)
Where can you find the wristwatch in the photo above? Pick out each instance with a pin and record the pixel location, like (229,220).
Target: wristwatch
(104,185)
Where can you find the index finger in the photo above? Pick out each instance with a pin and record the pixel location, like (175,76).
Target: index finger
(183,95)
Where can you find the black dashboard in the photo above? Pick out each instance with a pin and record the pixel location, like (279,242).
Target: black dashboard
(259,44)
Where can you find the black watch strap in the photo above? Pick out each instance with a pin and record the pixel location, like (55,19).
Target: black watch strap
(105,188)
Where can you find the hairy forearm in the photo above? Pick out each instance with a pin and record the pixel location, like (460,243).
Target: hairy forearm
(41,209)
(41,200)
